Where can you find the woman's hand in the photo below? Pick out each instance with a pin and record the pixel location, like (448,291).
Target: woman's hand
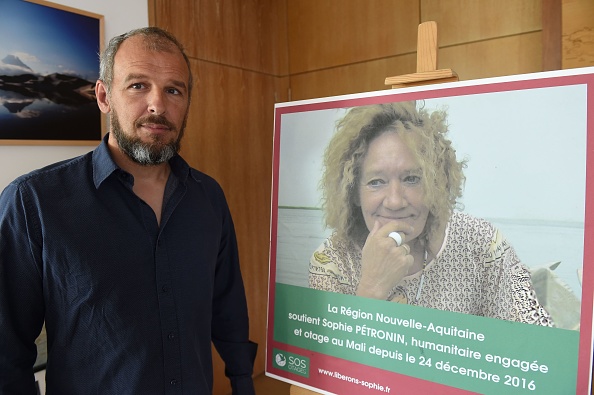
(383,262)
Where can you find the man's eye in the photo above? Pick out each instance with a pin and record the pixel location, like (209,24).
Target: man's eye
(174,91)
(136,86)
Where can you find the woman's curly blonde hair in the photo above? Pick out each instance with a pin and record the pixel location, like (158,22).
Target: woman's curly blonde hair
(424,134)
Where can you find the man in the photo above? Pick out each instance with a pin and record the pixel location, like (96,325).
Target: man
(126,253)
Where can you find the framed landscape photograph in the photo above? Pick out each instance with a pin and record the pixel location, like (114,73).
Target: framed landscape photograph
(49,64)
(502,303)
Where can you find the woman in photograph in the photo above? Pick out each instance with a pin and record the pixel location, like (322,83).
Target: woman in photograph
(391,184)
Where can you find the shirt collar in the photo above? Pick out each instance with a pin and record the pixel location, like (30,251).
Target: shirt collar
(180,168)
(104,166)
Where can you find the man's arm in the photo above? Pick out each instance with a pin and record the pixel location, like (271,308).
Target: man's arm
(230,322)
(21,295)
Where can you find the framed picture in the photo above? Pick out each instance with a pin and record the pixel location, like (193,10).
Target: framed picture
(501,301)
(49,64)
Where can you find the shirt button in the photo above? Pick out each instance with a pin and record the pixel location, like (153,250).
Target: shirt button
(171,335)
(173,382)
(165,288)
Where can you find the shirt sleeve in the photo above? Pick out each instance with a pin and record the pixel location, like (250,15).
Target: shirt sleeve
(230,323)
(21,296)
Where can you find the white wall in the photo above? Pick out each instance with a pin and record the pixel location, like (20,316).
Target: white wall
(119,17)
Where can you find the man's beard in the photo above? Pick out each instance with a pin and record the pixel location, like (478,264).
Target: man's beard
(151,153)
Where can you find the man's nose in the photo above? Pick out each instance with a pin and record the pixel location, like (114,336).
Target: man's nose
(156,103)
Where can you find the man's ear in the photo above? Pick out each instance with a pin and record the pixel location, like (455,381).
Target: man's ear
(102,97)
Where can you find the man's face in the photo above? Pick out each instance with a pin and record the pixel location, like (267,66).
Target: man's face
(149,101)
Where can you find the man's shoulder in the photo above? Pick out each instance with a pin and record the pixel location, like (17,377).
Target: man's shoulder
(207,187)
(204,179)
(59,170)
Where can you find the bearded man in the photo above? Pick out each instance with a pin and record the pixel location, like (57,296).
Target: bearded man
(127,254)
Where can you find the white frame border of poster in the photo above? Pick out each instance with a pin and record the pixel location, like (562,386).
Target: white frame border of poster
(300,348)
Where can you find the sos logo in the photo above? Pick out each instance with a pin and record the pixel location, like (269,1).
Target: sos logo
(290,362)
(297,363)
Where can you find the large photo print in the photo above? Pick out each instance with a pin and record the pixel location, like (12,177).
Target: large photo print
(49,64)
(432,239)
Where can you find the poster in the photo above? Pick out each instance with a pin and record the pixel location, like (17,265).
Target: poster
(528,146)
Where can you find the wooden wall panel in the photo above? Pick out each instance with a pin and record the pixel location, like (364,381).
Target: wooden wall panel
(578,33)
(463,21)
(353,78)
(503,56)
(331,33)
(249,34)
(327,58)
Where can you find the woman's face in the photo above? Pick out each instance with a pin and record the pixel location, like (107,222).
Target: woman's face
(390,186)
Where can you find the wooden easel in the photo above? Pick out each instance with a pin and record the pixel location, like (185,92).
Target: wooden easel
(427,73)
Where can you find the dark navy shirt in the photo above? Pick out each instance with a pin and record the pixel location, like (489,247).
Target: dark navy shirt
(130,306)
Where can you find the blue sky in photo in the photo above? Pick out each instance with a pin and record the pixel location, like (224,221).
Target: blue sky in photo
(49,40)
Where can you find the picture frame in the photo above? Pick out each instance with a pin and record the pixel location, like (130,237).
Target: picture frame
(528,141)
(48,71)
